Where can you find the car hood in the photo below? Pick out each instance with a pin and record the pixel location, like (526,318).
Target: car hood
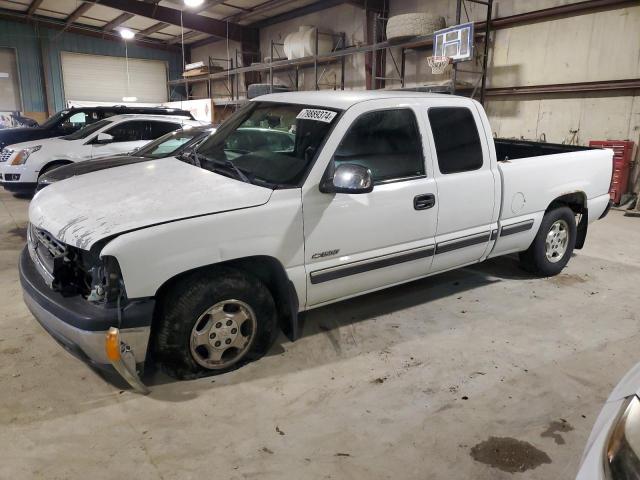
(85,209)
(50,144)
(9,136)
(80,168)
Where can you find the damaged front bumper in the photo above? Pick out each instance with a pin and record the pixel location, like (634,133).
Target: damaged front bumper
(81,327)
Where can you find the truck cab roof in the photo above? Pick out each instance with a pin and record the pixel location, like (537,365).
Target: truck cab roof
(343,99)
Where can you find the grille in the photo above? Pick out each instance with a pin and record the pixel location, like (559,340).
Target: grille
(44,238)
(5,154)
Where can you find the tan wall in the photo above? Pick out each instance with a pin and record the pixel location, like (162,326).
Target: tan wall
(217,50)
(344,18)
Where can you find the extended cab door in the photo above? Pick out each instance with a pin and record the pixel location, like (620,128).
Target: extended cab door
(467,186)
(360,242)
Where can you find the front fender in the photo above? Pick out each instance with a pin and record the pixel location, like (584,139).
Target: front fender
(150,257)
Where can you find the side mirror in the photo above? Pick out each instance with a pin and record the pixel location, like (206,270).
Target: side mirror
(103,138)
(348,178)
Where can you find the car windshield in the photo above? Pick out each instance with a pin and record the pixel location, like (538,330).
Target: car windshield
(54,119)
(87,130)
(270,144)
(170,144)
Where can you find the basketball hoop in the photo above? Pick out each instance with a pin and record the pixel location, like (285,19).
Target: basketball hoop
(438,64)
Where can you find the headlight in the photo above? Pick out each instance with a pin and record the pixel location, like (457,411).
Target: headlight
(23,154)
(622,454)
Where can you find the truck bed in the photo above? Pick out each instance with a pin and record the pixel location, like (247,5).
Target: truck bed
(509,149)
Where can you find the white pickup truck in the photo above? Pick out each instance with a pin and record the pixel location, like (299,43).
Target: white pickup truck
(198,264)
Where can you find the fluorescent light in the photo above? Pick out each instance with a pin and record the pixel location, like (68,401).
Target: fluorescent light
(126,33)
(4,75)
(193,3)
(129,99)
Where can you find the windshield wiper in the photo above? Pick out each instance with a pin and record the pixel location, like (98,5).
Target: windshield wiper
(224,163)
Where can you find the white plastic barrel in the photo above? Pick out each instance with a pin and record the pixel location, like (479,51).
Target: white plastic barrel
(303,43)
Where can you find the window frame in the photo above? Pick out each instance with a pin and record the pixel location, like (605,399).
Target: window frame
(124,122)
(435,146)
(416,123)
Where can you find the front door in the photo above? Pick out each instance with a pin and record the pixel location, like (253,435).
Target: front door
(360,242)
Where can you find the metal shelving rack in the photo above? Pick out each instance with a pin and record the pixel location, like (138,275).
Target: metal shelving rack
(339,55)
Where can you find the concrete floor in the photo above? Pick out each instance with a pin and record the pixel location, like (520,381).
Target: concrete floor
(399,384)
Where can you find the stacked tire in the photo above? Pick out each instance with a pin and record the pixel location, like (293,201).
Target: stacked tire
(409,25)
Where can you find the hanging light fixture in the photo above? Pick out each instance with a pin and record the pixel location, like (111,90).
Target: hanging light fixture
(193,3)
(127,34)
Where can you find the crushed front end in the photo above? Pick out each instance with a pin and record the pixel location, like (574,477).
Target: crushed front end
(80,300)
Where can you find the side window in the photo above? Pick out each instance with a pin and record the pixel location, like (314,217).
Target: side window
(161,128)
(385,141)
(456,138)
(74,122)
(129,131)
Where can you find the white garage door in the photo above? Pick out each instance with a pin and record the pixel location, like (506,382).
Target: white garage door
(104,79)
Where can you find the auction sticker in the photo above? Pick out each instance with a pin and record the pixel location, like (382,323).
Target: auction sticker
(325,116)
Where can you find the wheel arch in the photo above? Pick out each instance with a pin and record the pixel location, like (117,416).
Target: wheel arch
(270,271)
(53,164)
(577,202)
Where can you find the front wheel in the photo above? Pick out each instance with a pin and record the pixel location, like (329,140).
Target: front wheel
(212,322)
(553,245)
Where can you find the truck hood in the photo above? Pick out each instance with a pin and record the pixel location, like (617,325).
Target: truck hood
(85,209)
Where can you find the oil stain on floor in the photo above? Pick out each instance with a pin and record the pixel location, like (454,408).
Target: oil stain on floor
(508,454)
(555,429)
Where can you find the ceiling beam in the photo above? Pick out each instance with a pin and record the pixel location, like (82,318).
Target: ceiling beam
(298,12)
(116,22)
(153,29)
(187,36)
(191,21)
(33,7)
(12,15)
(78,12)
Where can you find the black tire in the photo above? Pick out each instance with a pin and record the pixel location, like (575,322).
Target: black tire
(534,259)
(185,302)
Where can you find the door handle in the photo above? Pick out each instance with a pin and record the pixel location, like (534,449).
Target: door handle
(424,202)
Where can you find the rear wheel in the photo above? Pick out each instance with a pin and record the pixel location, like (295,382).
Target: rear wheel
(553,245)
(213,322)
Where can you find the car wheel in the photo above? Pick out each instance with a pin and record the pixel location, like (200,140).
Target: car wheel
(553,245)
(212,322)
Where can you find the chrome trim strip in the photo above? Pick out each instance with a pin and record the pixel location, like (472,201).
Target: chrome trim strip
(516,228)
(353,268)
(462,242)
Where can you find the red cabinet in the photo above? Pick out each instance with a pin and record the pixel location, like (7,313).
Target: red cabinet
(622,154)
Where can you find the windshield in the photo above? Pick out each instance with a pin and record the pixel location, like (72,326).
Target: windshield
(84,132)
(54,119)
(170,144)
(271,144)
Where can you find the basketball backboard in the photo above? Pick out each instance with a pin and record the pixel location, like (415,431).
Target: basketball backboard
(454,42)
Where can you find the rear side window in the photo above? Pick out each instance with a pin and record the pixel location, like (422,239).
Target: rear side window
(456,138)
(385,141)
(159,129)
(130,131)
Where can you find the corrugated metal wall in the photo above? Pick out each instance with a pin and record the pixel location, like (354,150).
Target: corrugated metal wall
(23,38)
(27,39)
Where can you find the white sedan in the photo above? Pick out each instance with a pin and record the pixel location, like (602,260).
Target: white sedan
(22,163)
(613,448)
